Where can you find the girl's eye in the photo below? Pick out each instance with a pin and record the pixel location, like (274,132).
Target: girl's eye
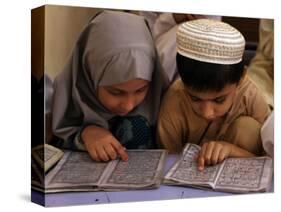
(142,89)
(195,99)
(114,93)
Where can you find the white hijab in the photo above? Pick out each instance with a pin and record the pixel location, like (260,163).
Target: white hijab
(115,47)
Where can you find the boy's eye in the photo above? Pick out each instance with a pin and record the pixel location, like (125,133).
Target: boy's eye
(219,100)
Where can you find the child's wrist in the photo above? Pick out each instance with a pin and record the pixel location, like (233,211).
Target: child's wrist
(78,141)
(232,150)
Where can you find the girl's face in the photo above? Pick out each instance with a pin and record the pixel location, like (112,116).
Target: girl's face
(122,98)
(212,105)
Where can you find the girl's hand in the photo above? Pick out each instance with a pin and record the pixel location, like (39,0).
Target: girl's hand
(102,145)
(213,152)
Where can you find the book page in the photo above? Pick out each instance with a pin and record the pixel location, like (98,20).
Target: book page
(245,174)
(37,176)
(75,170)
(143,169)
(185,171)
(46,156)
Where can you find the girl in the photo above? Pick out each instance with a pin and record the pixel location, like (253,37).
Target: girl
(107,98)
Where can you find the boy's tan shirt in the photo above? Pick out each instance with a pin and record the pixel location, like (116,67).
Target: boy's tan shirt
(178,124)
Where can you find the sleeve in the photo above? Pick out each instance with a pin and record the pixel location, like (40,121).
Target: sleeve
(261,67)
(164,33)
(74,142)
(151,17)
(67,116)
(257,106)
(163,24)
(267,135)
(169,127)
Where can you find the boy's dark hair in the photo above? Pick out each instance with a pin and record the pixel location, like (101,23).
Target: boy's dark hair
(203,76)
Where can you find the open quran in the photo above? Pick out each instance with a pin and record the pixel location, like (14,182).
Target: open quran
(76,171)
(235,175)
(43,158)
(46,156)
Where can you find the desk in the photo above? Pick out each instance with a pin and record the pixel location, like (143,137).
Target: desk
(164,192)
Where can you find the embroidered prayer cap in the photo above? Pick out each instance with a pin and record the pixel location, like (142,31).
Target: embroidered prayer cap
(210,41)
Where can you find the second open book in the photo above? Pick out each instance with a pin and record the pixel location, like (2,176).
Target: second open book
(237,175)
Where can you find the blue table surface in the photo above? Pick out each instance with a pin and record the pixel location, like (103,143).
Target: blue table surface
(164,192)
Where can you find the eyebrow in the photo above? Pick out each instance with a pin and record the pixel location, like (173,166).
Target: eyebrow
(219,97)
(124,91)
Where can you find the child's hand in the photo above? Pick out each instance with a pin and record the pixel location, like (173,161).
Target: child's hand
(102,145)
(213,152)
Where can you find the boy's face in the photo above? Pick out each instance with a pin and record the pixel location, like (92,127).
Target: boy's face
(122,98)
(212,105)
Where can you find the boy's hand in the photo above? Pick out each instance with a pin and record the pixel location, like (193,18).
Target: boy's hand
(213,152)
(102,145)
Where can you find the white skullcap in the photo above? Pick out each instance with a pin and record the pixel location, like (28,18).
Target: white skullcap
(210,41)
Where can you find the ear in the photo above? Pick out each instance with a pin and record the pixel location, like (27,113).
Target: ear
(243,75)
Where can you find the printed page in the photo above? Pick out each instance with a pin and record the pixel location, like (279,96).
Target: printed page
(185,171)
(143,169)
(245,174)
(46,156)
(75,171)
(37,176)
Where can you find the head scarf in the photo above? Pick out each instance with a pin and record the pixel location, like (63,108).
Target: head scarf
(115,47)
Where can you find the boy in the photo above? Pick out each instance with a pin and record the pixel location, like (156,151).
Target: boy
(214,104)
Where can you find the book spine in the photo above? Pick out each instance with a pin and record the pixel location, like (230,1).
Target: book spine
(37,91)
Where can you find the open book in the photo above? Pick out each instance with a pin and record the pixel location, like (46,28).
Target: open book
(76,171)
(46,156)
(236,175)
(43,158)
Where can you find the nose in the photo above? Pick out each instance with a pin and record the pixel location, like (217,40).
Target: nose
(207,110)
(128,104)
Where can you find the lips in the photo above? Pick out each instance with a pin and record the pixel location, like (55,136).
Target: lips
(211,119)
(121,113)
